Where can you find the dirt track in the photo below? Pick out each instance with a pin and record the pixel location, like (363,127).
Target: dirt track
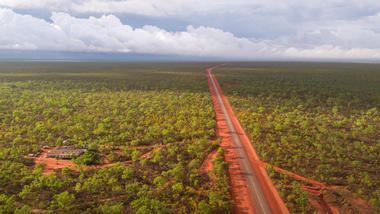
(315,189)
(238,183)
(238,180)
(207,163)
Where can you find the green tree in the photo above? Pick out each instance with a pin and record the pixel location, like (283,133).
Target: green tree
(63,201)
(159,181)
(88,158)
(146,205)
(78,187)
(111,208)
(204,208)
(23,210)
(356,164)
(178,187)
(57,158)
(136,154)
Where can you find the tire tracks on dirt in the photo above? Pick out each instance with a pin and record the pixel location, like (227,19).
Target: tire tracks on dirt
(262,196)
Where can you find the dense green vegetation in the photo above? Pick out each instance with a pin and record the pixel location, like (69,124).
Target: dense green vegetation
(319,120)
(107,106)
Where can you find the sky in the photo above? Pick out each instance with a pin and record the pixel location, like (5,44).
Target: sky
(190,29)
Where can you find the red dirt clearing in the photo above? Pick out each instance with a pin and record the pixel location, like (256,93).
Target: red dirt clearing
(273,199)
(207,164)
(320,204)
(51,163)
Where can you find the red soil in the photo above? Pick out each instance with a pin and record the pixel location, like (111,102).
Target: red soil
(315,189)
(270,193)
(207,163)
(227,84)
(51,163)
(320,204)
(239,190)
(295,176)
(346,202)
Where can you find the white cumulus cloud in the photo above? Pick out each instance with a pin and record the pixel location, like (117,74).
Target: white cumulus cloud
(109,34)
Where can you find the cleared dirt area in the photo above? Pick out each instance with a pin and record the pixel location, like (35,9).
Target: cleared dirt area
(207,164)
(51,163)
(346,202)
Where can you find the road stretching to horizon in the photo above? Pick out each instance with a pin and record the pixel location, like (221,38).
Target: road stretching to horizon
(253,185)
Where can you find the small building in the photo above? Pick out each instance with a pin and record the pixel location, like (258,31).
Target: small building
(69,147)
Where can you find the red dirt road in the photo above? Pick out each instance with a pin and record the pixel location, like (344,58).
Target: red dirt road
(244,203)
(238,183)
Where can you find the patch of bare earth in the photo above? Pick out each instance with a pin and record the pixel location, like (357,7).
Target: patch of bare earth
(207,164)
(52,164)
(346,202)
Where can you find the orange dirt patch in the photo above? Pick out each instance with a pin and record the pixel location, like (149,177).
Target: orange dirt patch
(346,202)
(270,192)
(51,163)
(207,164)
(320,204)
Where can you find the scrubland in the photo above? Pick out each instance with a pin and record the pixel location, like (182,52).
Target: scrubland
(116,108)
(318,120)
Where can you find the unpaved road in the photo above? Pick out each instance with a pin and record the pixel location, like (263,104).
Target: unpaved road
(253,185)
(260,189)
(238,183)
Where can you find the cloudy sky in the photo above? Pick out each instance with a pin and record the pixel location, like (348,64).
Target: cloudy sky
(191,29)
